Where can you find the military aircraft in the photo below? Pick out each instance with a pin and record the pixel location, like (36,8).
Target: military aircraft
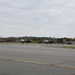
(48,41)
(67,42)
(1,40)
(25,41)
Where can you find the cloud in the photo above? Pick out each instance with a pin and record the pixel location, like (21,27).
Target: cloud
(37,17)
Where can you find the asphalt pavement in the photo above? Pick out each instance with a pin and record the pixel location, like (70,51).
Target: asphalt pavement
(36,59)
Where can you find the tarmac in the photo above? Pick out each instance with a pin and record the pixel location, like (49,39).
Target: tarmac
(39,55)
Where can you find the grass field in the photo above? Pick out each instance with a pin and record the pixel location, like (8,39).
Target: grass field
(61,46)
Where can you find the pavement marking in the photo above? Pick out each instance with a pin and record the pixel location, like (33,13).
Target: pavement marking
(65,66)
(27,61)
(32,62)
(41,63)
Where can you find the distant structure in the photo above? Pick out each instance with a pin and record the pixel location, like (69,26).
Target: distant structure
(50,41)
(25,40)
(1,39)
(64,41)
(67,42)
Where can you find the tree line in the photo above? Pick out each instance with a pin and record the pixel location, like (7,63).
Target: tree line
(36,39)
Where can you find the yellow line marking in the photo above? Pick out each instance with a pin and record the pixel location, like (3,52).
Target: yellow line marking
(32,62)
(65,66)
(43,63)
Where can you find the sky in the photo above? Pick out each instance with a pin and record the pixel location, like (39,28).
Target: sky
(43,18)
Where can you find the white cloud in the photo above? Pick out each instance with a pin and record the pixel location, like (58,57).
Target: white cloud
(37,17)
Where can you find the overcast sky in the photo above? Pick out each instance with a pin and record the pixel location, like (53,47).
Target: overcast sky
(55,18)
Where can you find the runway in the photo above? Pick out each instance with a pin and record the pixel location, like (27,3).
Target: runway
(36,59)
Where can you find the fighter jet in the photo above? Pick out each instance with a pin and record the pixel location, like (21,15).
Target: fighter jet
(25,41)
(48,41)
